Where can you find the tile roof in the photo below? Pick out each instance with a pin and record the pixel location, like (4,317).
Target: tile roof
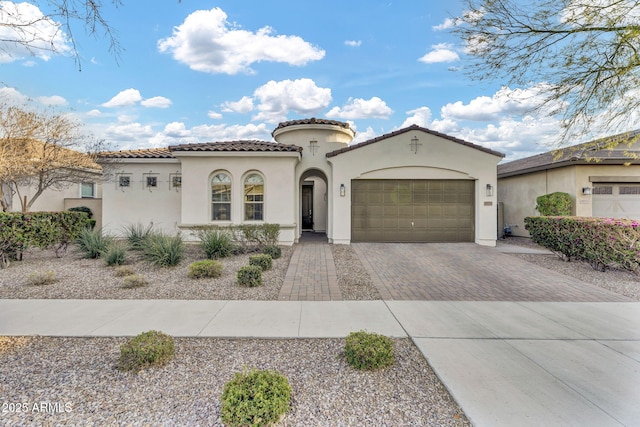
(591,152)
(149,153)
(410,128)
(254,146)
(311,121)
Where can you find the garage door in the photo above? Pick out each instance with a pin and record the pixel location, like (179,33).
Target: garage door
(412,210)
(616,200)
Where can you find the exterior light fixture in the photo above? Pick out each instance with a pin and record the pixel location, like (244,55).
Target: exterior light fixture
(489,190)
(343,190)
(586,191)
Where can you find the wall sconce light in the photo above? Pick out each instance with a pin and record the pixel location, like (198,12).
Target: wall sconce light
(586,191)
(489,190)
(343,190)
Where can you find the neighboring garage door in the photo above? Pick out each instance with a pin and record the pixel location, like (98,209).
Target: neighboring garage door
(412,210)
(616,200)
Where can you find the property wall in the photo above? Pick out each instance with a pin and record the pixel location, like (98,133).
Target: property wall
(52,200)
(277,169)
(436,158)
(94,204)
(137,204)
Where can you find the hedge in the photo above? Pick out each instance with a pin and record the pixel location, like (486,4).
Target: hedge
(603,242)
(19,231)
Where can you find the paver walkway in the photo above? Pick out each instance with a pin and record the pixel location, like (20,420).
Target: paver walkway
(468,272)
(312,272)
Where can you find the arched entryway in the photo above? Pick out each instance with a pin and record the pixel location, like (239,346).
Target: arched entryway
(313,202)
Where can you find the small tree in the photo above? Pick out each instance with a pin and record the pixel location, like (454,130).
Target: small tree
(554,204)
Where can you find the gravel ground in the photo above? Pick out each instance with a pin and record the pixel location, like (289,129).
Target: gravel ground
(619,281)
(354,281)
(81,278)
(76,381)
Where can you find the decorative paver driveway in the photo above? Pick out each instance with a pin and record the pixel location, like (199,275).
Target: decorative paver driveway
(467,272)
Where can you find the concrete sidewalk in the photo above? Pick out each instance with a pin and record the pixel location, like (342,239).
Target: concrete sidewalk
(505,363)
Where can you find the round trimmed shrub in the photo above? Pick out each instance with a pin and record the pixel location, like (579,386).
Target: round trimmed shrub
(255,398)
(273,251)
(263,261)
(249,276)
(206,268)
(150,348)
(368,351)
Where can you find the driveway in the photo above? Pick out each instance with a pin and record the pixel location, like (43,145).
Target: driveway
(468,272)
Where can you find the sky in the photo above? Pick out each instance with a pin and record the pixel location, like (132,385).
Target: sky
(201,71)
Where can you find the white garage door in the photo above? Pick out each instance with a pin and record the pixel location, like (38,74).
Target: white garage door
(616,200)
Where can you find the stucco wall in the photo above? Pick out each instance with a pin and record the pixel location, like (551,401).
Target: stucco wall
(436,158)
(53,200)
(137,204)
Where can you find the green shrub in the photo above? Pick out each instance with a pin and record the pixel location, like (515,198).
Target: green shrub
(93,242)
(602,242)
(255,398)
(150,348)
(134,281)
(83,209)
(42,278)
(368,351)
(263,261)
(163,250)
(250,276)
(216,243)
(137,234)
(554,204)
(115,254)
(273,251)
(124,270)
(206,268)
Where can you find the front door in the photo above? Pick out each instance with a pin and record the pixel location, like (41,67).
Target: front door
(307,207)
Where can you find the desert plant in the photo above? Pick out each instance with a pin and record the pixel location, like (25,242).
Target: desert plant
(255,398)
(368,351)
(134,281)
(216,243)
(250,276)
(273,251)
(115,254)
(206,268)
(554,204)
(41,278)
(123,271)
(94,242)
(137,234)
(163,250)
(263,261)
(150,348)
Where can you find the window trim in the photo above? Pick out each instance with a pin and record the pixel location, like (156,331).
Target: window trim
(228,202)
(244,200)
(119,181)
(93,190)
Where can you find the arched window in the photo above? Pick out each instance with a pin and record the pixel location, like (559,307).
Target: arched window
(253,198)
(221,197)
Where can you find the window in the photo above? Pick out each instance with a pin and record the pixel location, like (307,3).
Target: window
(87,190)
(603,190)
(221,197)
(253,198)
(124,181)
(630,189)
(176,181)
(152,181)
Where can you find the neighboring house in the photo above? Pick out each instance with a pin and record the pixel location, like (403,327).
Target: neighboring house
(411,185)
(603,182)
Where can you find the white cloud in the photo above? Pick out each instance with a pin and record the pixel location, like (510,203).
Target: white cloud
(358,108)
(214,115)
(156,102)
(277,99)
(448,23)
(52,100)
(126,133)
(420,116)
(125,98)
(94,113)
(441,52)
(178,133)
(364,136)
(26,32)
(353,43)
(244,105)
(207,42)
(12,96)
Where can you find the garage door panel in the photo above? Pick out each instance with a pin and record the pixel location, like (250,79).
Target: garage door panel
(412,210)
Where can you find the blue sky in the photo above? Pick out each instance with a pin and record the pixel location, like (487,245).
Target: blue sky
(199,71)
